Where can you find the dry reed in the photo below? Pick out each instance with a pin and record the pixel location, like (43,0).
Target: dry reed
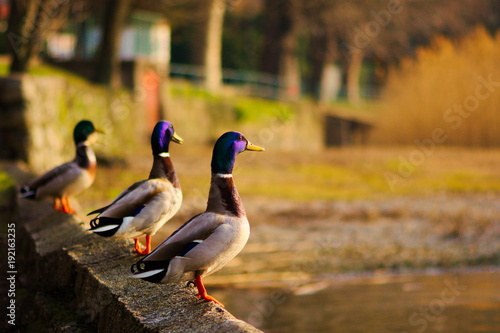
(451,89)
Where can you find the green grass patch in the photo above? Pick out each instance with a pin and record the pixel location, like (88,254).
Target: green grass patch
(45,70)
(465,181)
(187,90)
(7,186)
(4,69)
(316,182)
(7,199)
(245,109)
(365,106)
(255,109)
(360,180)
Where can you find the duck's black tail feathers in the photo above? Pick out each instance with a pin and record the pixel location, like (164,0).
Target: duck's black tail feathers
(155,271)
(108,226)
(105,226)
(27,192)
(151,271)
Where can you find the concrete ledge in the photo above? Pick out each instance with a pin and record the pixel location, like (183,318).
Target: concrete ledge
(79,283)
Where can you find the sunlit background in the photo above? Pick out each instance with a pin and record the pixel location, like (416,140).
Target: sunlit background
(379,190)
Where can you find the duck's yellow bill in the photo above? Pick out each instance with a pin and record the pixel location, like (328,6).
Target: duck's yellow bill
(177,139)
(253,147)
(99,130)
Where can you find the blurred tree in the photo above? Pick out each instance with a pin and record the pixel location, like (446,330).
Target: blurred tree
(212,63)
(348,31)
(492,15)
(107,70)
(282,22)
(335,28)
(201,22)
(325,76)
(30,23)
(184,17)
(242,36)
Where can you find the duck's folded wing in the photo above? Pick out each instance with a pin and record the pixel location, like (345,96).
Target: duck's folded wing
(119,197)
(140,210)
(198,228)
(56,179)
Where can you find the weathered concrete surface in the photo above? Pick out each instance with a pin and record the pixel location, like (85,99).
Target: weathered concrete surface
(78,281)
(38,114)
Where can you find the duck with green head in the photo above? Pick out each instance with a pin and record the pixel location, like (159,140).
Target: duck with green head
(145,206)
(208,241)
(70,178)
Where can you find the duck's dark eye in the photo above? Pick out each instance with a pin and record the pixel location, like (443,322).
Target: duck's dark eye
(240,138)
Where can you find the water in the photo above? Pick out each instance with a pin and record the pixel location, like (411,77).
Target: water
(464,302)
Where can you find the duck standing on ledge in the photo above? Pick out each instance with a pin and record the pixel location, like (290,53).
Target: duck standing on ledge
(69,178)
(145,206)
(208,241)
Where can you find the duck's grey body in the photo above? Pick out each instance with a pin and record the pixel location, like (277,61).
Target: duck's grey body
(215,237)
(65,180)
(70,178)
(145,206)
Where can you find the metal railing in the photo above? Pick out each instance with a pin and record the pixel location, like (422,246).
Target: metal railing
(253,82)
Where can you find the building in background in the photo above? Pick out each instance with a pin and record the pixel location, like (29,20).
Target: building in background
(146,38)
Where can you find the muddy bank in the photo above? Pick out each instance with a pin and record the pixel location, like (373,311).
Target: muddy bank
(304,241)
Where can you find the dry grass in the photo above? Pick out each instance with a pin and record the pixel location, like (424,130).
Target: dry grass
(335,174)
(444,87)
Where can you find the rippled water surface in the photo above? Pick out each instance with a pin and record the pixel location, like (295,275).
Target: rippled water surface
(465,302)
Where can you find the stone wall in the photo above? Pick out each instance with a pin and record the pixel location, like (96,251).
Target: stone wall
(13,131)
(38,114)
(70,280)
(203,120)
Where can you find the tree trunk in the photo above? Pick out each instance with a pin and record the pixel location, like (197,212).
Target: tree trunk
(353,73)
(289,59)
(330,80)
(274,26)
(213,46)
(23,34)
(280,56)
(289,67)
(30,23)
(81,40)
(107,70)
(330,83)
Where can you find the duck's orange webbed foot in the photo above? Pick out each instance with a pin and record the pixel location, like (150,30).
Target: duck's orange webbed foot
(202,292)
(210,298)
(137,246)
(57,204)
(66,208)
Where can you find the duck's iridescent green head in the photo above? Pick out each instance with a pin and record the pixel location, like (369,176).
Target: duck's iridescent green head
(226,148)
(84,130)
(163,133)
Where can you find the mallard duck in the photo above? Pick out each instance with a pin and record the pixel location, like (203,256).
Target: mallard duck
(208,241)
(145,206)
(69,178)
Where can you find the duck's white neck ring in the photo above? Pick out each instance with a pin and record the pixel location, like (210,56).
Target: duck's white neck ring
(224,175)
(165,154)
(83,144)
